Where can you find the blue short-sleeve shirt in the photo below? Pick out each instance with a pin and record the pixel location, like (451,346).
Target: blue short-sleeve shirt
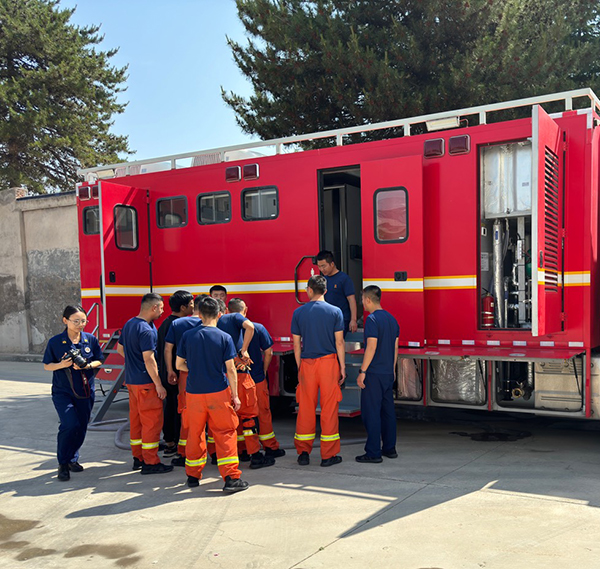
(260,342)
(58,346)
(383,326)
(339,288)
(206,349)
(137,337)
(316,322)
(180,327)
(233,324)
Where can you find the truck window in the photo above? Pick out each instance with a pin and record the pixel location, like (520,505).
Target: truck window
(260,203)
(171,212)
(214,208)
(126,227)
(391,215)
(91,220)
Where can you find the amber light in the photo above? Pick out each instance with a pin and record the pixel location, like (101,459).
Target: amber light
(233,174)
(434,148)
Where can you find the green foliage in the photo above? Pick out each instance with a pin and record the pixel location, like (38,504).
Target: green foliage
(325,64)
(58,94)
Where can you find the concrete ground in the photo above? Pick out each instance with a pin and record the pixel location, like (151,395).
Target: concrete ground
(447,502)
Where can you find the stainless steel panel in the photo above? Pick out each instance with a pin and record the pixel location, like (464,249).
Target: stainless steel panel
(557,386)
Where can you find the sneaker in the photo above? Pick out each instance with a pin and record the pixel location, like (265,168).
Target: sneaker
(390,454)
(162,446)
(63,472)
(331,461)
(75,467)
(158,468)
(259,460)
(193,482)
(170,451)
(244,456)
(303,459)
(367,458)
(178,461)
(137,464)
(213,458)
(234,484)
(274,452)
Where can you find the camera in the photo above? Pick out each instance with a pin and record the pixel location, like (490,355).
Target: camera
(75,355)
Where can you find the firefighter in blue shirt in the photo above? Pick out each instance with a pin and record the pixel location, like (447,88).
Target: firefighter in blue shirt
(376,378)
(72,357)
(340,290)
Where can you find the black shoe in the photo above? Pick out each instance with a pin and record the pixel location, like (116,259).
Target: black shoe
(193,482)
(244,456)
(137,464)
(63,472)
(367,458)
(234,484)
(303,459)
(274,452)
(331,461)
(75,467)
(159,468)
(259,460)
(390,454)
(178,461)
(170,451)
(213,458)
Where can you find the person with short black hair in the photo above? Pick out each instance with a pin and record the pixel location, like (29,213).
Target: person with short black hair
(319,349)
(207,354)
(376,379)
(234,323)
(219,292)
(137,344)
(340,290)
(181,303)
(72,356)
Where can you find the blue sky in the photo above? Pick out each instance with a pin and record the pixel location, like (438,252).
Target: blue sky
(178,60)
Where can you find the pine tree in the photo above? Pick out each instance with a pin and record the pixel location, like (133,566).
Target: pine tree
(58,94)
(325,64)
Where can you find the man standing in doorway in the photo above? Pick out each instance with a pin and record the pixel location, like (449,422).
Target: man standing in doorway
(376,378)
(137,345)
(319,349)
(340,289)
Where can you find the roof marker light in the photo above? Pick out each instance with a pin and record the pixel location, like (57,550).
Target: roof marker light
(459,144)
(434,148)
(442,124)
(250,171)
(233,174)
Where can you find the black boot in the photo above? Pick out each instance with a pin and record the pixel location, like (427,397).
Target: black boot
(63,472)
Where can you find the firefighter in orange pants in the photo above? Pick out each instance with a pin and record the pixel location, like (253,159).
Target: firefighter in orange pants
(173,338)
(202,352)
(137,344)
(318,334)
(242,331)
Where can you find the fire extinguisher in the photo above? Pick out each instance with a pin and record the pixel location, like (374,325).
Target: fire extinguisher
(487,311)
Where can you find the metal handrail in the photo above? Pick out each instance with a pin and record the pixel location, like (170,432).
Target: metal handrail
(481,110)
(87,315)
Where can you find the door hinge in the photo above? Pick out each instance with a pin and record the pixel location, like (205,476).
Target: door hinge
(563,317)
(149,258)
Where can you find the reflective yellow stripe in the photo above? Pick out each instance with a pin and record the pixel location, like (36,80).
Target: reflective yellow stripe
(248,433)
(182,442)
(198,462)
(271,435)
(210,439)
(305,437)
(240,438)
(228,460)
(335,437)
(150,445)
(135,442)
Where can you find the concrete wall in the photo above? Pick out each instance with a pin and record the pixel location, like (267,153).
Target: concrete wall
(39,268)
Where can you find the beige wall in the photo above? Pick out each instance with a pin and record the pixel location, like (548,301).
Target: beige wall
(39,268)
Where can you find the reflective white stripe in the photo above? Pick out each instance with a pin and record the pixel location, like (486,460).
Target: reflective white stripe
(576,344)
(444,342)
(249,433)
(304,437)
(468,342)
(578,279)
(198,462)
(90,293)
(182,443)
(135,442)
(330,437)
(150,445)
(547,344)
(493,342)
(410,285)
(240,438)
(237,288)
(271,435)
(433,283)
(228,460)
(210,439)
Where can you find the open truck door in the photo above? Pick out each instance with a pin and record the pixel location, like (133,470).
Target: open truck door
(547,163)
(392,240)
(125,251)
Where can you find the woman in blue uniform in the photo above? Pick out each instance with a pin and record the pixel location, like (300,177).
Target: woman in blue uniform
(72,357)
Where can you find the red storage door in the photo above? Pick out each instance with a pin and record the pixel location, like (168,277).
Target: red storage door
(392,240)
(547,223)
(126,266)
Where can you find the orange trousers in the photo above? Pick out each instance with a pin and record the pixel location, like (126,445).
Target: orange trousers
(319,376)
(218,409)
(145,420)
(248,413)
(266,434)
(181,409)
